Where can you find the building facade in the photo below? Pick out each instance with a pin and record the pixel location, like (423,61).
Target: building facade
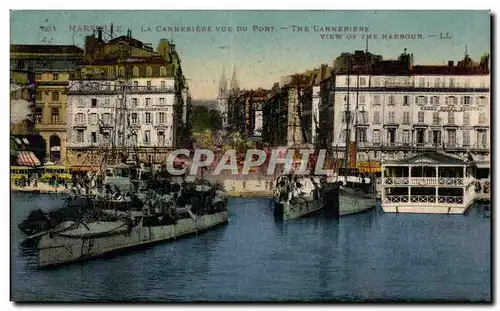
(409,109)
(132,98)
(51,67)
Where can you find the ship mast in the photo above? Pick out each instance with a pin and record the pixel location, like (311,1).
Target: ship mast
(348,119)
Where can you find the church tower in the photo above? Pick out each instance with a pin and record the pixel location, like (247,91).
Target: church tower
(222,84)
(222,97)
(234,87)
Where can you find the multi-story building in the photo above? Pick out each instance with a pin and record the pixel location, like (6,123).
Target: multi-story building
(129,96)
(51,66)
(397,108)
(247,111)
(288,112)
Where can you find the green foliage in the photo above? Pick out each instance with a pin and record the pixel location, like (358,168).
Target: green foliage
(204,119)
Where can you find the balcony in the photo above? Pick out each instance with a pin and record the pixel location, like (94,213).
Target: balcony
(48,126)
(97,88)
(424,181)
(430,199)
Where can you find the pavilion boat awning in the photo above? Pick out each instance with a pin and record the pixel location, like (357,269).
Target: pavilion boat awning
(428,158)
(27,158)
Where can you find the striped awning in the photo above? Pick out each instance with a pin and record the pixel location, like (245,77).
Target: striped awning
(27,158)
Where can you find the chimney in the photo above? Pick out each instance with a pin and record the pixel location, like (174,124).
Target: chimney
(99,33)
(450,64)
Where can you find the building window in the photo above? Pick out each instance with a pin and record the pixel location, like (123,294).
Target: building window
(147,136)
(134,102)
(94,102)
(362,135)
(435,118)
(135,85)
(406,117)
(362,81)
(481,101)
(80,119)
(107,102)
(161,138)
(391,100)
(148,102)
(435,100)
(391,116)
(148,85)
(437,82)
(55,76)
(106,118)
(406,100)
(421,82)
(421,117)
(391,136)
(55,96)
(466,116)
(93,137)
(466,100)
(135,71)
(451,100)
(482,117)
(38,115)
(133,118)
(54,118)
(376,117)
(421,100)
(110,71)
(376,136)
(436,137)
(162,101)
(39,95)
(406,136)
(420,136)
(376,100)
(93,119)
(148,117)
(466,137)
(121,72)
(80,136)
(452,137)
(451,117)
(161,118)
(149,71)
(163,71)
(481,139)
(362,117)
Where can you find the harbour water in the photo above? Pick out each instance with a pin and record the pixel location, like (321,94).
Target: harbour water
(370,256)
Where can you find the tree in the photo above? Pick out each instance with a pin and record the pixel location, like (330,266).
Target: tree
(204,119)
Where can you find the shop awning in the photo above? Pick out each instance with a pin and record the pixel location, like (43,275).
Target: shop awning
(27,158)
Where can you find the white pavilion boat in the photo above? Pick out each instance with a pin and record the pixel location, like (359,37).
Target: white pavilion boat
(428,183)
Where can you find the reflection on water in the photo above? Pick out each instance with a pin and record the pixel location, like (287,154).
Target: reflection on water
(369,256)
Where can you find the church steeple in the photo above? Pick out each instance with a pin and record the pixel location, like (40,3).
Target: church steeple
(223,83)
(234,81)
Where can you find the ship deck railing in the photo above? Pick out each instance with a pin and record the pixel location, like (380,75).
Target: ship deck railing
(426,181)
(426,199)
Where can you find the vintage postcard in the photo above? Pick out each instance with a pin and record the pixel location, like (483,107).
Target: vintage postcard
(250,156)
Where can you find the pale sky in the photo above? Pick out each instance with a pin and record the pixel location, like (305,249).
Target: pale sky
(262,58)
